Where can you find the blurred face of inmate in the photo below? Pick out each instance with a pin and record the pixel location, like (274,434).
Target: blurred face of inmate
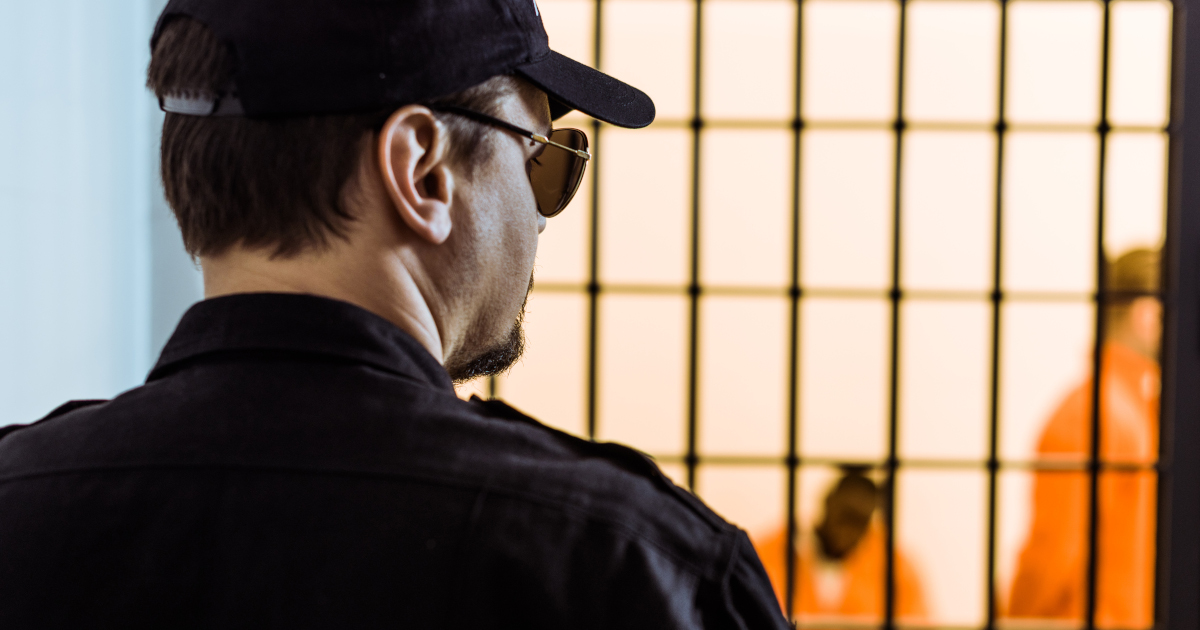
(848,510)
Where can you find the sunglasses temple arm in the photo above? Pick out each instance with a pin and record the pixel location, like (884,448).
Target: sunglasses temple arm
(537,137)
(504,124)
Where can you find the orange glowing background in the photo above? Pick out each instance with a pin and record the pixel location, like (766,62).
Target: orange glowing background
(846,169)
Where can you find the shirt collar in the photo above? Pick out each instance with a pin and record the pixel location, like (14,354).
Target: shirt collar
(298,323)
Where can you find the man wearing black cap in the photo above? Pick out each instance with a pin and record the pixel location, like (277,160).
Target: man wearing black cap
(363,183)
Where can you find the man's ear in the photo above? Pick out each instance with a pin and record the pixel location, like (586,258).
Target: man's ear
(413,154)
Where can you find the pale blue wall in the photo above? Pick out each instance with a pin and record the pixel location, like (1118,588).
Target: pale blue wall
(89,274)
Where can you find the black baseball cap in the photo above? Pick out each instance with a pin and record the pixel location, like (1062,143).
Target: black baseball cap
(301,57)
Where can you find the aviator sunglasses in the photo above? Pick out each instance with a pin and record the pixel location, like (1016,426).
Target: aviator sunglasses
(554,175)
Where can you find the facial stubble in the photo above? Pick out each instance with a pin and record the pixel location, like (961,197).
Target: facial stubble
(497,358)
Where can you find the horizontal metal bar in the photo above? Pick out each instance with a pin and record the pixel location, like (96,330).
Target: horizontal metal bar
(1081,465)
(834,292)
(785,124)
(1001,624)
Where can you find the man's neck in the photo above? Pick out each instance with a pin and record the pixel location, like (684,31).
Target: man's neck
(379,286)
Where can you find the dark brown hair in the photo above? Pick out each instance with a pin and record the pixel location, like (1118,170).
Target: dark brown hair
(1135,273)
(271,183)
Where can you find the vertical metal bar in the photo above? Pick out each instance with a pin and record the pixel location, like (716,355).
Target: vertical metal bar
(694,276)
(993,462)
(895,295)
(593,286)
(1178,606)
(1093,561)
(793,457)
(491,386)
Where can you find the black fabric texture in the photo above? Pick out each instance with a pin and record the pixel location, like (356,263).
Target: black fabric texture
(299,57)
(298,462)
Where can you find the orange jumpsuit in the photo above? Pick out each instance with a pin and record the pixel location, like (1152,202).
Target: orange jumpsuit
(862,594)
(1050,580)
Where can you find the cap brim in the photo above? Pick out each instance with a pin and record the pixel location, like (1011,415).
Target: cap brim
(577,86)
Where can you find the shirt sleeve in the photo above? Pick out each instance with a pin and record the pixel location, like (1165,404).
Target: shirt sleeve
(747,601)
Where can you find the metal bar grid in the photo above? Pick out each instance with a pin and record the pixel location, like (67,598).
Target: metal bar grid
(692,459)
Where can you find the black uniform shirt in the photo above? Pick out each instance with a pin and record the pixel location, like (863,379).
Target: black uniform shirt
(294,461)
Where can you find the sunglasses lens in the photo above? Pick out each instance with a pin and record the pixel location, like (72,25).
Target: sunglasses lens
(557,173)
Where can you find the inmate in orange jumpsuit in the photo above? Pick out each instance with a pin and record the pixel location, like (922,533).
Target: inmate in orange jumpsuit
(861,593)
(1050,580)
